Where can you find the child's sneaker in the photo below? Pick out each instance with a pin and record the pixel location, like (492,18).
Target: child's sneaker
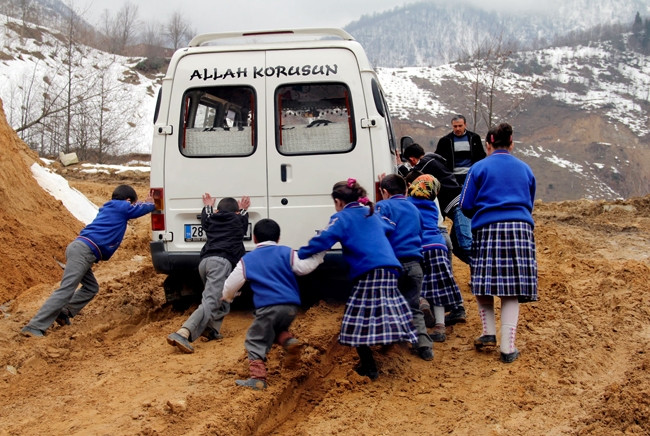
(253,383)
(425,353)
(292,345)
(63,318)
(485,341)
(210,334)
(439,333)
(429,319)
(182,343)
(509,357)
(31,332)
(455,316)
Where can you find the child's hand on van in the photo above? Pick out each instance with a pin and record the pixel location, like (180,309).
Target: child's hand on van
(208,200)
(381,177)
(245,202)
(149,199)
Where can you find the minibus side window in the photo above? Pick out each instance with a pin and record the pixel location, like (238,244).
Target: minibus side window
(314,118)
(218,121)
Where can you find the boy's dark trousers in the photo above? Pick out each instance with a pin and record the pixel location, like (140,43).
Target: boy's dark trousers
(410,285)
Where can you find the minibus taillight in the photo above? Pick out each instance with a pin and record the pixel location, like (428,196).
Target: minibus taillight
(157,222)
(377,192)
(157,194)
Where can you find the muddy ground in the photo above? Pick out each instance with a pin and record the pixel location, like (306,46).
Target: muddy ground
(584,365)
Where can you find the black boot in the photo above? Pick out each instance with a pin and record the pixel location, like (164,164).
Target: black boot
(367,367)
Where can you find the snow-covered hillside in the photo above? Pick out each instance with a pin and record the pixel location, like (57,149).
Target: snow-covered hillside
(109,99)
(587,78)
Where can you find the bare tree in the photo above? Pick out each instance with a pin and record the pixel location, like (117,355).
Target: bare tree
(120,31)
(178,30)
(486,68)
(126,22)
(152,38)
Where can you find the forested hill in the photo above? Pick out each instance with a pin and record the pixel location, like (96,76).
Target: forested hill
(433,33)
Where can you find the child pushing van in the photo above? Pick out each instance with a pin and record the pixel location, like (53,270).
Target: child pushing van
(376,312)
(270,269)
(225,230)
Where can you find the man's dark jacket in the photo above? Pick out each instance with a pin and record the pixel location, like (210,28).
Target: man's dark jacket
(445,148)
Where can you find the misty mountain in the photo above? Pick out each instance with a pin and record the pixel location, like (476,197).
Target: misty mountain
(433,33)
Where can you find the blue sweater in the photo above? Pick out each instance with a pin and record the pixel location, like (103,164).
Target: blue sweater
(268,269)
(104,235)
(431,236)
(498,188)
(406,238)
(364,241)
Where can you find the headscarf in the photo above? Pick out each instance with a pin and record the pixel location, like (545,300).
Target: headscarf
(425,186)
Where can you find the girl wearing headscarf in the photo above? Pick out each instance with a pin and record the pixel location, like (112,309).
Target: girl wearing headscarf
(439,288)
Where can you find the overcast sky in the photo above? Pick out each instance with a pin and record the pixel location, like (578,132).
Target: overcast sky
(217,16)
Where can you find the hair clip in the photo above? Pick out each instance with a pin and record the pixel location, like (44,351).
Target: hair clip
(364,200)
(351,182)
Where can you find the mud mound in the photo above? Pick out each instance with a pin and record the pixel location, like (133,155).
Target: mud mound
(34,227)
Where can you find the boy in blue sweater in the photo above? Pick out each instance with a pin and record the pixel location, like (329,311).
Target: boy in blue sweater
(406,240)
(97,241)
(271,270)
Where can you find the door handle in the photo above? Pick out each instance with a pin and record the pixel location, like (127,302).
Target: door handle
(283,172)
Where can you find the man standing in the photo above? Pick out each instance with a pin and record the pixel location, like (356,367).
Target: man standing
(460,148)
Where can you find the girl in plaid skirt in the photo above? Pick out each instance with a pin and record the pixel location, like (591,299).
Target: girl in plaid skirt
(376,313)
(498,195)
(439,287)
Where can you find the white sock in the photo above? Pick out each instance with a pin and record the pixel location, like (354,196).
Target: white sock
(439,314)
(509,320)
(486,313)
(184,332)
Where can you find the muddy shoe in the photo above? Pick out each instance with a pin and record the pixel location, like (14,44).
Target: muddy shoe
(439,333)
(31,332)
(509,357)
(455,316)
(371,373)
(210,334)
(425,353)
(485,341)
(63,318)
(292,345)
(180,342)
(252,383)
(429,319)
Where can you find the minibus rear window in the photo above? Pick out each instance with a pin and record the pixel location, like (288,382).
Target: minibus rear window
(218,121)
(314,118)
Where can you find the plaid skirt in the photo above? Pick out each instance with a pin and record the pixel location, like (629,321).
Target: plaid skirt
(504,262)
(376,312)
(439,286)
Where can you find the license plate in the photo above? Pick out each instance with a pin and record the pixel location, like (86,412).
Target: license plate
(195,233)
